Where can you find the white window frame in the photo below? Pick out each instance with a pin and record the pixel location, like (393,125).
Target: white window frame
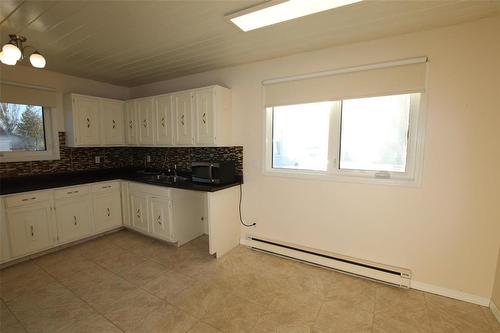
(414,157)
(51,143)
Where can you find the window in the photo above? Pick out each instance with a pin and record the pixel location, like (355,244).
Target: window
(374,133)
(300,136)
(372,138)
(25,133)
(21,128)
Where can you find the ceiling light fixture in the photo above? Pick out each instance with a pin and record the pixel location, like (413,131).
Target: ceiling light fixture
(277,11)
(13,51)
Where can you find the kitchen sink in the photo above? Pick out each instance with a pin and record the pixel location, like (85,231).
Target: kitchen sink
(161,178)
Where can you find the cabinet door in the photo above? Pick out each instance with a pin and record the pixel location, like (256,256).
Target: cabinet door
(29,229)
(138,211)
(183,118)
(73,218)
(107,211)
(204,116)
(145,112)
(164,121)
(86,120)
(131,132)
(113,122)
(161,217)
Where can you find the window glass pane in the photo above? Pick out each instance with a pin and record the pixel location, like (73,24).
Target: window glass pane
(21,127)
(300,136)
(374,133)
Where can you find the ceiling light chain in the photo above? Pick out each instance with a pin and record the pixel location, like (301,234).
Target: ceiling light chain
(13,51)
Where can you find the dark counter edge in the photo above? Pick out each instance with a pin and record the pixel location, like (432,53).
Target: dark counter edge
(19,184)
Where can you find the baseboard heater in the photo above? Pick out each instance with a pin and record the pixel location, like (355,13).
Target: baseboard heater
(395,276)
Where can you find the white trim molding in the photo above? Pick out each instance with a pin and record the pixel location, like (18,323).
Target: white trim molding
(451,293)
(496,312)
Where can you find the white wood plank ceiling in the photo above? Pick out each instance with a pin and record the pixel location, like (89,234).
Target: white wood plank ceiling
(135,42)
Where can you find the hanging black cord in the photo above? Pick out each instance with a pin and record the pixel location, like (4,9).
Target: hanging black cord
(241,219)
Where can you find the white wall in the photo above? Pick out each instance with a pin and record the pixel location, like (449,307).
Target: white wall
(447,231)
(62,84)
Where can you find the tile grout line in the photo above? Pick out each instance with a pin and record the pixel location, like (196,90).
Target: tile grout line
(13,315)
(139,287)
(77,296)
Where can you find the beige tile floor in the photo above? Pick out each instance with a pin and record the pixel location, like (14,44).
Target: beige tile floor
(125,282)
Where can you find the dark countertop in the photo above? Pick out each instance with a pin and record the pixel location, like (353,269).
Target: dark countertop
(10,185)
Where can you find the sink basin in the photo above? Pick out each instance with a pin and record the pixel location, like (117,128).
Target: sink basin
(169,179)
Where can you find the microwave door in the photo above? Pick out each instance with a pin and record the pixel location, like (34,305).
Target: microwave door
(202,173)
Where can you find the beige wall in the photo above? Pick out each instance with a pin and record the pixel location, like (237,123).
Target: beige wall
(62,84)
(496,288)
(447,231)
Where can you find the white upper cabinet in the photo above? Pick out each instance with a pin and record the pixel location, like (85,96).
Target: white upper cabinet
(210,122)
(164,120)
(145,112)
(93,121)
(131,128)
(204,114)
(82,120)
(196,117)
(183,105)
(112,122)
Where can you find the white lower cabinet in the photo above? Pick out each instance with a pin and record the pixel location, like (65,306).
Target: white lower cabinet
(73,218)
(40,220)
(161,217)
(107,206)
(29,228)
(139,211)
(170,214)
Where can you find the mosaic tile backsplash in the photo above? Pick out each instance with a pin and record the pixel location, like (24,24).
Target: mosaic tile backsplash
(80,159)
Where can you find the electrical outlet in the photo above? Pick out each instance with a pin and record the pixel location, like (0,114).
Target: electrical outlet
(148,158)
(98,159)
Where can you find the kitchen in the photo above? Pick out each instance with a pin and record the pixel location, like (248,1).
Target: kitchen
(181,184)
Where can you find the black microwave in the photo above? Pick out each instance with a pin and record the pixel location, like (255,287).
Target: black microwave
(213,172)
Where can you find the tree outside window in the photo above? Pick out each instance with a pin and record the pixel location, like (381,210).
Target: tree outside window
(21,127)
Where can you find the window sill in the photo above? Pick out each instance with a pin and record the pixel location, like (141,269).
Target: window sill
(29,156)
(325,176)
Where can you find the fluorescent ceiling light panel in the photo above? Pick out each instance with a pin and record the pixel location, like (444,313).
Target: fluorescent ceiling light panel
(274,12)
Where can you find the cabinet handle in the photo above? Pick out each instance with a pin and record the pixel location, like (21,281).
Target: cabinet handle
(163,121)
(109,212)
(72,192)
(159,219)
(74,220)
(130,123)
(114,123)
(107,186)
(144,122)
(88,122)
(138,213)
(32,231)
(204,118)
(182,120)
(29,199)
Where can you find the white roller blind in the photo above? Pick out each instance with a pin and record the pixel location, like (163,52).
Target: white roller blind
(21,94)
(364,81)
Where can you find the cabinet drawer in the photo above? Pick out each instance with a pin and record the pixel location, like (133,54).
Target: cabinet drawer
(27,198)
(70,192)
(106,187)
